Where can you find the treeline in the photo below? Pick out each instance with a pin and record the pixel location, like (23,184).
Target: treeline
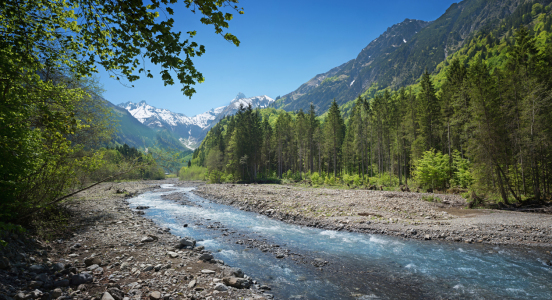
(486,129)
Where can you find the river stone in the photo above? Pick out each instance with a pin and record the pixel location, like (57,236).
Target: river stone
(4,263)
(206,256)
(37,268)
(81,279)
(147,239)
(107,296)
(221,287)
(148,268)
(188,242)
(58,266)
(61,283)
(192,284)
(92,261)
(125,266)
(116,293)
(236,282)
(206,271)
(56,293)
(42,277)
(92,267)
(172,254)
(427,237)
(155,295)
(233,272)
(35,284)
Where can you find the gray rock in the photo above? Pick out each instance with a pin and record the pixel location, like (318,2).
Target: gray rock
(42,277)
(155,295)
(236,282)
(125,266)
(92,261)
(148,268)
(56,293)
(172,254)
(37,268)
(206,256)
(107,296)
(234,272)
(58,266)
(62,283)
(35,294)
(4,263)
(92,267)
(19,296)
(206,271)
(81,278)
(116,293)
(427,237)
(192,284)
(188,242)
(34,284)
(221,287)
(148,239)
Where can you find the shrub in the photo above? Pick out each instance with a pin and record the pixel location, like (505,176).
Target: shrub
(216,176)
(357,180)
(192,173)
(432,170)
(315,177)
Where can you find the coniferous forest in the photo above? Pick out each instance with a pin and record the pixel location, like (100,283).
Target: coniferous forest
(486,127)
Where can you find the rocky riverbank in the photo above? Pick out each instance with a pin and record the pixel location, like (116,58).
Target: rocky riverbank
(113,253)
(403,214)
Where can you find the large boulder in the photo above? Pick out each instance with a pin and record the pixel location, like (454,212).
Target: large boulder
(81,278)
(233,272)
(236,282)
(188,242)
(92,261)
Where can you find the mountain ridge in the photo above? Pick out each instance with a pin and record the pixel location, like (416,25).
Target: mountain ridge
(400,55)
(190,131)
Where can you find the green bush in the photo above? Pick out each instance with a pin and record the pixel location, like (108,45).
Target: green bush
(192,173)
(216,176)
(315,177)
(432,170)
(462,175)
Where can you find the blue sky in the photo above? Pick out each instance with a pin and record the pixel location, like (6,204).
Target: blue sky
(283,45)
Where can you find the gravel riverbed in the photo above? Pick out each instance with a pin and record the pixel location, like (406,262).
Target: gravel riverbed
(113,253)
(403,214)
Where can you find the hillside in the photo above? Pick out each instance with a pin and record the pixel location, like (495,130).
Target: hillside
(400,55)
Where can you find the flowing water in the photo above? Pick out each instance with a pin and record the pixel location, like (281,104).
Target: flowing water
(359,266)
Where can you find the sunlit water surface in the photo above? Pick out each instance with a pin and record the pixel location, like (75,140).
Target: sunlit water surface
(361,266)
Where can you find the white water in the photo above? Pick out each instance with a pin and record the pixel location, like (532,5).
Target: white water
(360,266)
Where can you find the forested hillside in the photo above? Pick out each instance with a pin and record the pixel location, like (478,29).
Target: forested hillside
(484,122)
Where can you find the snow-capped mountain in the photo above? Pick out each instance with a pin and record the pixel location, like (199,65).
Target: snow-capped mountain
(240,100)
(160,117)
(190,130)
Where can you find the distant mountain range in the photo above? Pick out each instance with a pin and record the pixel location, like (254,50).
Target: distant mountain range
(401,54)
(190,131)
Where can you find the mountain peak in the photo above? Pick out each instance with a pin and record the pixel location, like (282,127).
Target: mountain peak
(239,96)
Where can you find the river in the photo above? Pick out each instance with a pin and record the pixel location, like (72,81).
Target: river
(308,263)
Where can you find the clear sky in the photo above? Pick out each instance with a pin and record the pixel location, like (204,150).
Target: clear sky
(284,44)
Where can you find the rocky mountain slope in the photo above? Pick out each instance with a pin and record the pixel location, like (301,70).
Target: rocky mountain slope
(400,55)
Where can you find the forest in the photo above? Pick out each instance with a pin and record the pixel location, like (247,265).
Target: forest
(485,130)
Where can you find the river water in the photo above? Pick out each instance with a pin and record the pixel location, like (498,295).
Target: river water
(325,264)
